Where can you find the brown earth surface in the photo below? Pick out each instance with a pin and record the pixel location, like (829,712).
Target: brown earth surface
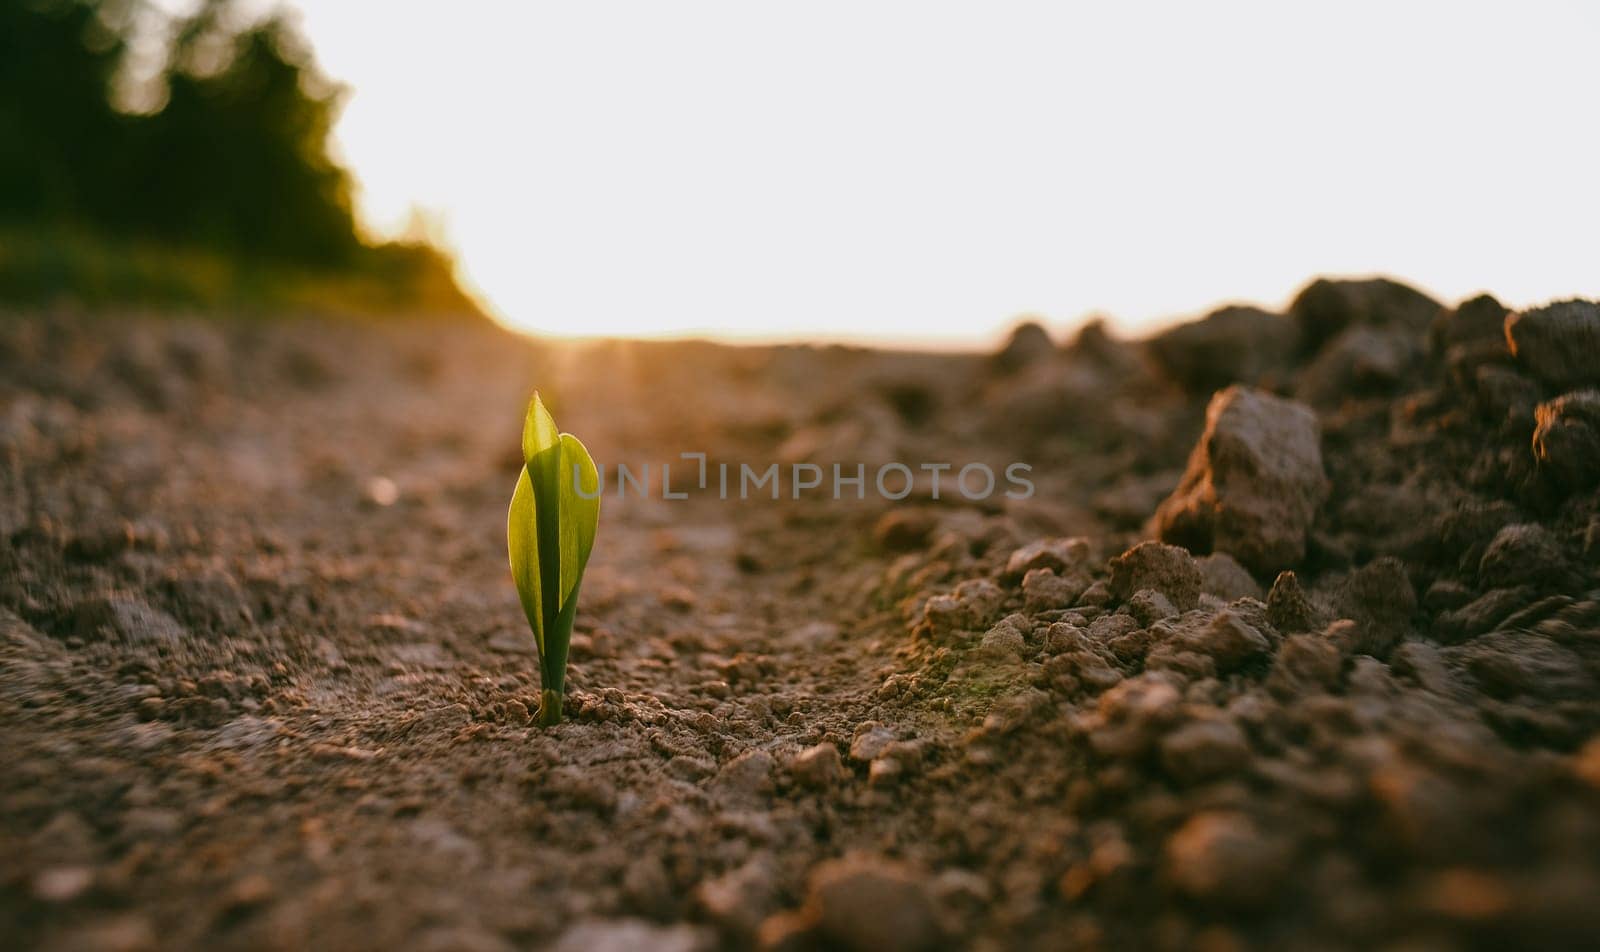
(264,682)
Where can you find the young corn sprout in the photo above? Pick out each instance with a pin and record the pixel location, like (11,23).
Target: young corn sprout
(550,532)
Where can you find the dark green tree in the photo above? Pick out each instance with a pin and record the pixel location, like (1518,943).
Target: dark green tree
(238,157)
(57,60)
(224,191)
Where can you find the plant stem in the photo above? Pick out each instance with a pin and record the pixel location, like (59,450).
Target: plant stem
(549,708)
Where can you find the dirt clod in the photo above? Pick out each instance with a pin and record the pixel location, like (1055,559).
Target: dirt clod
(1558,343)
(1566,439)
(867,904)
(1253,484)
(818,767)
(1167,569)
(1224,857)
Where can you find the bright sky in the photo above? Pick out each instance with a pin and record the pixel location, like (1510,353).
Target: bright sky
(926,172)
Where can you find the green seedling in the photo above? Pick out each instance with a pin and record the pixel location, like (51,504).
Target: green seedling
(550,532)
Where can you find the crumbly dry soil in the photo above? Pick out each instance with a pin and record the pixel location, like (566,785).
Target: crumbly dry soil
(264,682)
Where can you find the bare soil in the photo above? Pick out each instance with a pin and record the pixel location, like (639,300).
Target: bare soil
(264,682)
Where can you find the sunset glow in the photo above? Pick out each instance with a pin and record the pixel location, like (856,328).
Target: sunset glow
(926,173)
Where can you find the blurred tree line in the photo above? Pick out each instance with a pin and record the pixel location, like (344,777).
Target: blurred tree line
(229,168)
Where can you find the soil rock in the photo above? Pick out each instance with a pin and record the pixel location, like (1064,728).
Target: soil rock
(1523,554)
(1058,555)
(1133,715)
(1167,569)
(739,900)
(1003,641)
(1028,343)
(818,767)
(1305,664)
(1204,749)
(747,775)
(1361,361)
(1224,857)
(125,618)
(1566,438)
(1326,307)
(868,904)
(1511,663)
(871,740)
(1043,589)
(1477,319)
(1380,598)
(1558,343)
(1233,344)
(1253,485)
(1149,606)
(1503,394)
(1290,608)
(1223,577)
(210,600)
(1227,639)
(972,605)
(1482,613)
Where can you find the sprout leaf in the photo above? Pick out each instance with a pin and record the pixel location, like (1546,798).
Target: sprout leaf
(550,533)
